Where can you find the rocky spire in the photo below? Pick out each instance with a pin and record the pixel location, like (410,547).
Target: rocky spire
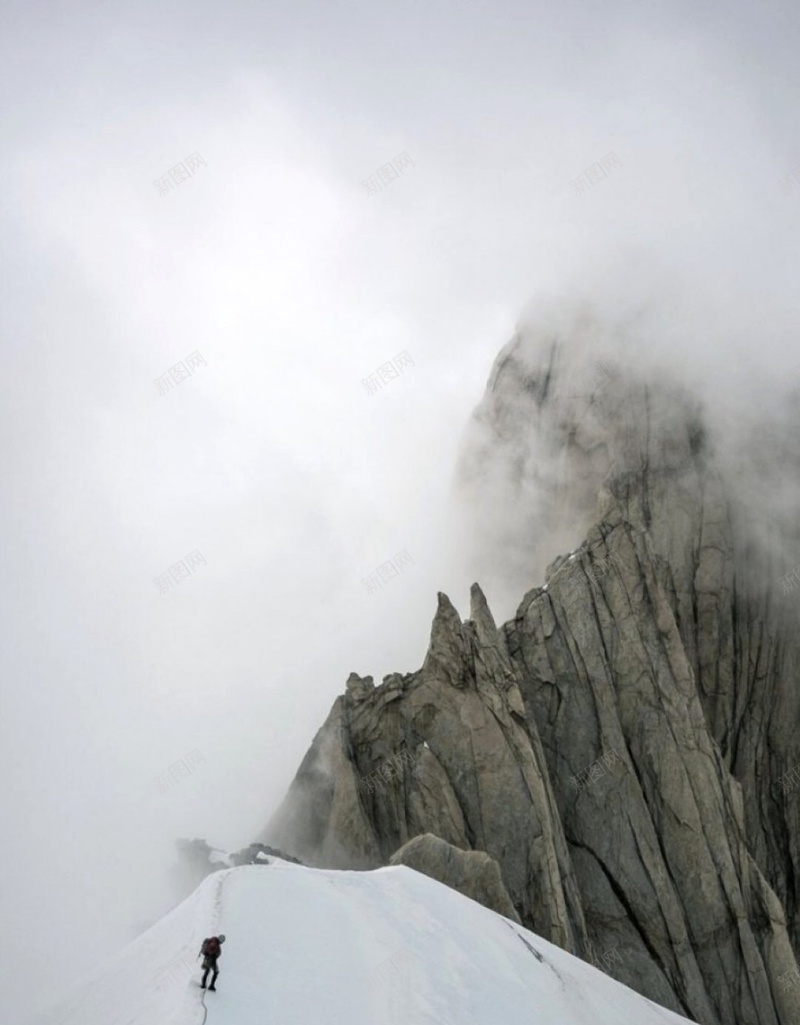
(620,746)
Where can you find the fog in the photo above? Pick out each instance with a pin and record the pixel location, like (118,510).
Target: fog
(285,282)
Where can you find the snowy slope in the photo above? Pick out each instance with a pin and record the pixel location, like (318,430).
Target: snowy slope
(312,947)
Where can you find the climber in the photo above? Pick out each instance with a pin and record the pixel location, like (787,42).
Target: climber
(210,951)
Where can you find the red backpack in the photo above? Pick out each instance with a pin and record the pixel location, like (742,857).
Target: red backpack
(211,947)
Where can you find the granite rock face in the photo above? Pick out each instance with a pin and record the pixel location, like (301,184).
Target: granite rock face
(619,748)
(447,750)
(472,873)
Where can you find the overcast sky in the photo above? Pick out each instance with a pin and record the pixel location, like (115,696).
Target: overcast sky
(292,281)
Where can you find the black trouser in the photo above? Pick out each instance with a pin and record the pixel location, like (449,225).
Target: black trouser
(210,965)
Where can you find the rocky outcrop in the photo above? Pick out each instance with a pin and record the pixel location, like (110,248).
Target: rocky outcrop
(448,751)
(260,854)
(472,873)
(198,859)
(619,747)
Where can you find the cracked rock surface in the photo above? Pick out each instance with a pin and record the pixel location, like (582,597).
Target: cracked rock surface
(617,747)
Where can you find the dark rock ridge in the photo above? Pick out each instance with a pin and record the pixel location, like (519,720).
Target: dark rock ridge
(259,854)
(198,859)
(618,746)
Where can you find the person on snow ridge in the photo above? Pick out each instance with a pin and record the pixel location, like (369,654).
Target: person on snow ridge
(210,951)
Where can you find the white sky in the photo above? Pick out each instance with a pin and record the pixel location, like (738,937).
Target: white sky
(294,284)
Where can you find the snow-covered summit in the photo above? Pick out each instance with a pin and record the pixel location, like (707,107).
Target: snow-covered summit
(311,947)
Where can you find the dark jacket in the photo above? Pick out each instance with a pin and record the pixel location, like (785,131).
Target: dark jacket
(211,948)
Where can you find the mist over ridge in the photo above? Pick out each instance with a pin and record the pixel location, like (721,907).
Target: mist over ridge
(622,181)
